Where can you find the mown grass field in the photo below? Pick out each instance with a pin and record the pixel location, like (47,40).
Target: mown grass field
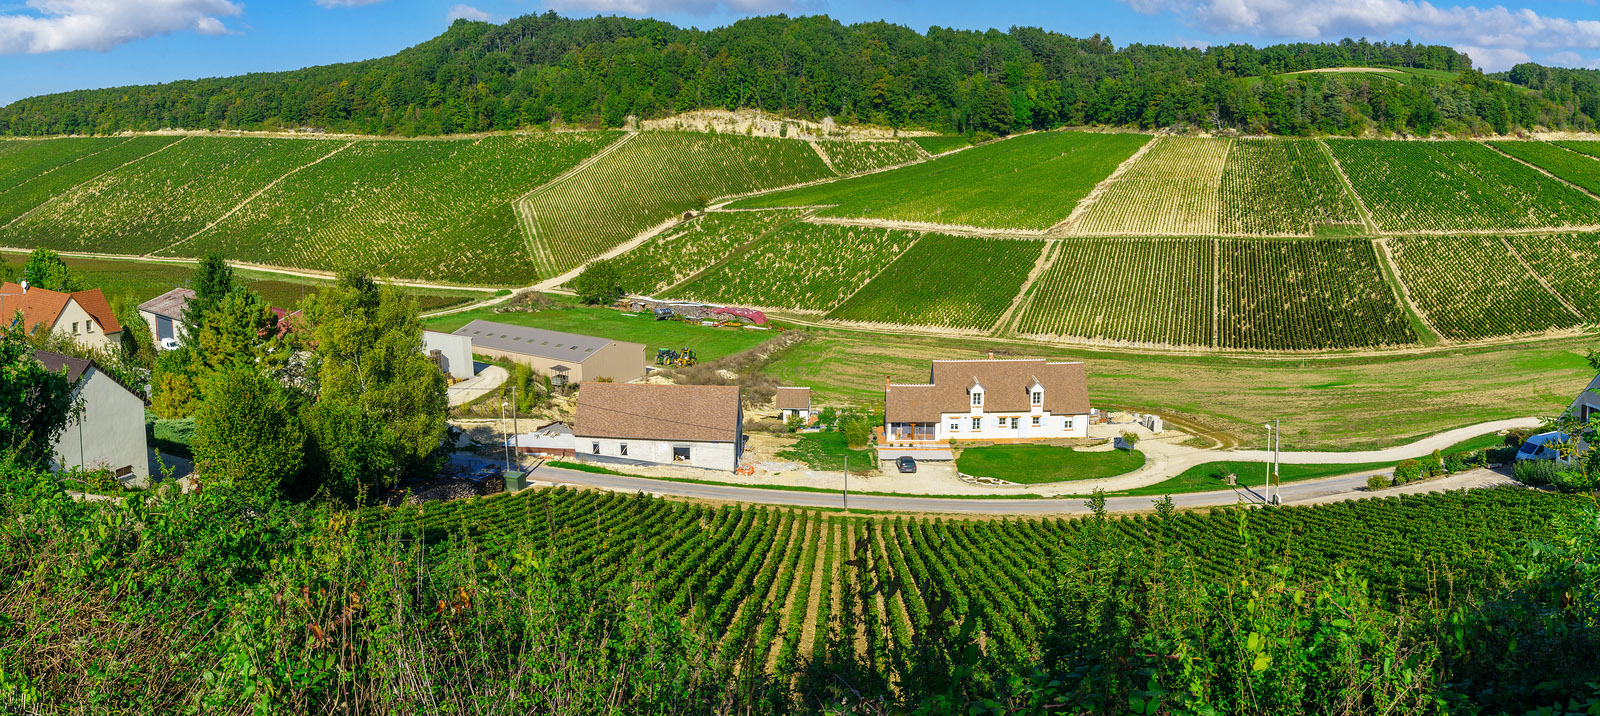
(650,178)
(946,281)
(1029,182)
(709,343)
(438,210)
(1037,464)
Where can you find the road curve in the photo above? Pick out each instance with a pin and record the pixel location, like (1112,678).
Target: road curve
(1307,491)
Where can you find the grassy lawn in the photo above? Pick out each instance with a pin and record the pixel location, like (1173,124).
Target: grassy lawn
(708,342)
(140,281)
(827,451)
(1033,464)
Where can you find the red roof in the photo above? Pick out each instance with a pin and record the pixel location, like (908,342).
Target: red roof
(40,305)
(755,316)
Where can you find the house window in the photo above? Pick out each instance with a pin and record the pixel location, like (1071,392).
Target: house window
(977,423)
(680,454)
(1038,397)
(595,449)
(1014,422)
(622,449)
(88,326)
(1036,420)
(74,328)
(955,427)
(977,399)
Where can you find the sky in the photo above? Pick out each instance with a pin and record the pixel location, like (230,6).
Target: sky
(59,45)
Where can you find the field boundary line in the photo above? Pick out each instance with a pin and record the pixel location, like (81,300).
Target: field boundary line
(1024,293)
(1361,206)
(1542,282)
(47,172)
(263,268)
(816,147)
(1216,293)
(929,227)
(1386,257)
(875,274)
(731,255)
(69,189)
(248,199)
(1592,196)
(528,219)
(1069,225)
(674,221)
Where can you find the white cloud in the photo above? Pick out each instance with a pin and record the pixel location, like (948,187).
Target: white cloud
(692,7)
(346,3)
(54,25)
(468,12)
(1568,58)
(1495,37)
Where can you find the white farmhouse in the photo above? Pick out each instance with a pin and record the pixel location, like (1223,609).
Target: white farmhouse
(994,400)
(695,425)
(794,402)
(108,430)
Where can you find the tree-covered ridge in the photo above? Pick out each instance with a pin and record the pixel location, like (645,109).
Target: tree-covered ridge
(542,69)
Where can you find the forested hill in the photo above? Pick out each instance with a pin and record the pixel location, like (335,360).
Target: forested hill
(543,69)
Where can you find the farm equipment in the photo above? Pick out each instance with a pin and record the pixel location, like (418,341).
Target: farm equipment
(680,358)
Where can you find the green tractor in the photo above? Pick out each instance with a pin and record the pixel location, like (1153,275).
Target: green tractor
(679,358)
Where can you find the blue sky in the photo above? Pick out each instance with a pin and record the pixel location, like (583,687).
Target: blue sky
(57,45)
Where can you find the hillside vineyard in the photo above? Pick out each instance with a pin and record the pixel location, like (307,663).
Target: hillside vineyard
(1101,238)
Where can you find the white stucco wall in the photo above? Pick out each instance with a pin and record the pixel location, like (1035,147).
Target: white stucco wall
(89,333)
(708,455)
(457,352)
(990,426)
(154,322)
(109,430)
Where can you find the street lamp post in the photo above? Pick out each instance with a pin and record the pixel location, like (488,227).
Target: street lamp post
(1275,444)
(847,483)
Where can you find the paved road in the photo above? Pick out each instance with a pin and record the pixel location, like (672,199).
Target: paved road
(1309,491)
(1419,448)
(485,382)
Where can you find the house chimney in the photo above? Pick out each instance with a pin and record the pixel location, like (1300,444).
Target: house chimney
(24,285)
(991,355)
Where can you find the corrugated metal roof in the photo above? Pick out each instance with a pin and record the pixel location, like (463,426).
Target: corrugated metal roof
(169,304)
(533,341)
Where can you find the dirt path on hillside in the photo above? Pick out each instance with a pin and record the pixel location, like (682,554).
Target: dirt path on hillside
(252,197)
(90,180)
(1068,224)
(1047,257)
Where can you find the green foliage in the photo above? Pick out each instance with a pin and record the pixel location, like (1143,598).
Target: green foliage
(41,171)
(171,436)
(211,282)
(857,429)
(648,179)
(1171,190)
(1028,183)
(1407,471)
(687,249)
(241,330)
(246,433)
(828,451)
(1172,281)
(1571,166)
(45,269)
(1033,464)
(352,455)
(1278,187)
(1448,280)
(939,144)
(599,284)
(946,281)
(1377,482)
(35,404)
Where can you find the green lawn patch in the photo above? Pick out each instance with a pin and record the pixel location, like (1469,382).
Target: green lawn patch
(828,451)
(708,342)
(1208,476)
(1033,464)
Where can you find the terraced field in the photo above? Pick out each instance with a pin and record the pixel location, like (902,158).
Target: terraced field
(1575,167)
(1026,183)
(803,267)
(1306,295)
(1569,263)
(1142,291)
(1171,190)
(946,281)
(1456,186)
(194,183)
(1591,148)
(37,171)
(647,180)
(1473,287)
(665,260)
(1282,187)
(857,157)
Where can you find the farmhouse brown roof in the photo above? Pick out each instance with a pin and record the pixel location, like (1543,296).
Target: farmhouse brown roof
(700,413)
(40,305)
(794,398)
(1005,389)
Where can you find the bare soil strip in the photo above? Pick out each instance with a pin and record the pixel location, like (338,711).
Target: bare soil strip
(1047,256)
(824,157)
(1390,266)
(757,601)
(1216,292)
(1366,214)
(1546,284)
(1067,224)
(47,202)
(903,613)
(252,197)
(929,226)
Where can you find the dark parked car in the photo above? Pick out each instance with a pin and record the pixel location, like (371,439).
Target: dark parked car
(906,464)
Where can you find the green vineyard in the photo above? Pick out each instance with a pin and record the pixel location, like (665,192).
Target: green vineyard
(1283,187)
(36,172)
(865,156)
(668,259)
(946,281)
(1026,183)
(1171,190)
(781,590)
(802,267)
(940,144)
(1569,264)
(1582,171)
(650,178)
(1149,291)
(1306,295)
(1472,287)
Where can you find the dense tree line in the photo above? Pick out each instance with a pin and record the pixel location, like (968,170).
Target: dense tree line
(540,70)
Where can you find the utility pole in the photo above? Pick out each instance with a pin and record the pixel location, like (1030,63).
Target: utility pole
(847,483)
(1267,492)
(506,455)
(516,434)
(1277,453)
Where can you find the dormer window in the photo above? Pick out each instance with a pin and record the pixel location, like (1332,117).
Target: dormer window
(1038,397)
(977,399)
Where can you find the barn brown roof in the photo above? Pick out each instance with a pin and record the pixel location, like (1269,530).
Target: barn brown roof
(1005,389)
(701,413)
(792,398)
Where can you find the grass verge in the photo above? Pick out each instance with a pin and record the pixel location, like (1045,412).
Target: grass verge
(1034,464)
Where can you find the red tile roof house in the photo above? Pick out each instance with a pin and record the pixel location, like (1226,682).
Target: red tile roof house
(991,400)
(84,315)
(639,423)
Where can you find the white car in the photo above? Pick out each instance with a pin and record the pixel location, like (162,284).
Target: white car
(168,344)
(1541,446)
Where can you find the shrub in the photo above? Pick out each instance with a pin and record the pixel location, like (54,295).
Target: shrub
(1517,436)
(1435,464)
(1407,471)
(1377,482)
(1573,481)
(1501,455)
(1537,473)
